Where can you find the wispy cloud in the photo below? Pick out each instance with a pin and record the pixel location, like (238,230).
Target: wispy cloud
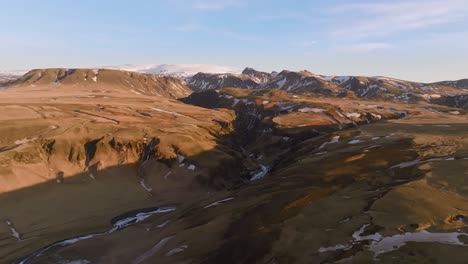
(379,19)
(188,27)
(226,33)
(371,46)
(303,43)
(216,4)
(236,35)
(285,15)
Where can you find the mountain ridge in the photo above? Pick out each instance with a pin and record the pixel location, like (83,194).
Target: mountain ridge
(121,81)
(189,70)
(449,93)
(382,88)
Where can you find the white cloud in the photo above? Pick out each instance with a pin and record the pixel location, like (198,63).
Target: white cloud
(379,19)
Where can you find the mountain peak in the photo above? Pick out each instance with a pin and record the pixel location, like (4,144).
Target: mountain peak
(257,76)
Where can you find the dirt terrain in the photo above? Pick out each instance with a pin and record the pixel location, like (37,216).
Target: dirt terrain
(96,173)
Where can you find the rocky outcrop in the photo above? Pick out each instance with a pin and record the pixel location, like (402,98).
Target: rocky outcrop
(458,101)
(301,82)
(208,81)
(258,76)
(463,83)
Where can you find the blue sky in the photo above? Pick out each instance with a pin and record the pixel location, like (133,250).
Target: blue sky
(423,40)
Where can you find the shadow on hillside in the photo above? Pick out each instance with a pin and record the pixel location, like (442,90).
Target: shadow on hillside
(85,203)
(438,128)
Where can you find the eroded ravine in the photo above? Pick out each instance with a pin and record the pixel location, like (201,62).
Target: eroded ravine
(310,193)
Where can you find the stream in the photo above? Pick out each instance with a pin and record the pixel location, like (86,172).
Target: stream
(118,223)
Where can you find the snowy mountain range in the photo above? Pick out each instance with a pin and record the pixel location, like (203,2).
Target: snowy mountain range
(175,70)
(209,77)
(182,71)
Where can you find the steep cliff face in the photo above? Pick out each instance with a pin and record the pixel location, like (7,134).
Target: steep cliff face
(69,140)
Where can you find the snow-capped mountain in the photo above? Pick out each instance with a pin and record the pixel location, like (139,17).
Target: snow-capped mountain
(11,74)
(8,76)
(175,70)
(381,88)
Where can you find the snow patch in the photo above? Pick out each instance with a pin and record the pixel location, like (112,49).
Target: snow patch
(25,140)
(355,141)
(350,115)
(334,248)
(419,161)
(166,176)
(169,112)
(176,250)
(13,230)
(138,218)
(261,174)
(219,202)
(334,139)
(77,261)
(381,244)
(143,184)
(180,158)
(311,110)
